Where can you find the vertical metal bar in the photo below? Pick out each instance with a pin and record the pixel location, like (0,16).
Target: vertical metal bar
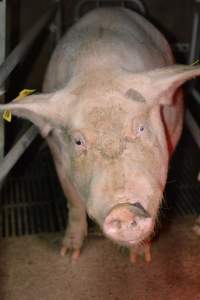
(2,58)
(194,38)
(2,30)
(196,95)
(193,127)
(194,54)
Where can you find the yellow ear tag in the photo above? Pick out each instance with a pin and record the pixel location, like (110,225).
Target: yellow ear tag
(7,114)
(195,62)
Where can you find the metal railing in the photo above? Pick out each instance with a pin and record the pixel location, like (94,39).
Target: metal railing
(138,4)
(5,70)
(194,55)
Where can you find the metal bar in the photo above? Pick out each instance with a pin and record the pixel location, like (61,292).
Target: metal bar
(194,45)
(194,53)
(140,5)
(2,30)
(193,127)
(18,149)
(5,69)
(16,55)
(2,58)
(194,38)
(196,95)
(79,5)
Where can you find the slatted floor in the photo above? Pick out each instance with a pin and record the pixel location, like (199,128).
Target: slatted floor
(34,203)
(183,188)
(29,209)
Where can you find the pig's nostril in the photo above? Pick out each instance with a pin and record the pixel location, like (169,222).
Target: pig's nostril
(115,224)
(118,224)
(132,224)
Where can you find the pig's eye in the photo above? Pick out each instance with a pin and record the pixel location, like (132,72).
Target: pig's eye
(79,141)
(140,129)
(139,125)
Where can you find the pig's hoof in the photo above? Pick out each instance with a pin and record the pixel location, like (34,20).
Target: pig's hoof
(73,242)
(143,250)
(75,253)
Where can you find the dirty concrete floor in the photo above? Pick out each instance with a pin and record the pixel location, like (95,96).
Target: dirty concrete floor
(30,268)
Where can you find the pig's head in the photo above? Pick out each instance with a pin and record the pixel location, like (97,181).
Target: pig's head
(110,136)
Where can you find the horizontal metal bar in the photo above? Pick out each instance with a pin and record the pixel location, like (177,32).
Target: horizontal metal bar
(98,3)
(193,127)
(15,56)
(17,150)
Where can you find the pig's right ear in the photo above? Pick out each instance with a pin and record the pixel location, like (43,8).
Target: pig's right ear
(158,86)
(41,109)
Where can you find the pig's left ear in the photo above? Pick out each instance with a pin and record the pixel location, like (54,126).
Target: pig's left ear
(44,110)
(159,85)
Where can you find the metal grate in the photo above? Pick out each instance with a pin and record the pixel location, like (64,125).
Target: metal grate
(183,188)
(33,203)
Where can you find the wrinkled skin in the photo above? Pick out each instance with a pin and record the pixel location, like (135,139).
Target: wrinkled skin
(112,118)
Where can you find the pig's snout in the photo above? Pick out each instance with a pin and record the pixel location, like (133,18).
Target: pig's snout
(128,224)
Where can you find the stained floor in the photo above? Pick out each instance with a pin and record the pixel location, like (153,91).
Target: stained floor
(31,268)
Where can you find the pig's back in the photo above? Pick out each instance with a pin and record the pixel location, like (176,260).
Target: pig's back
(107,37)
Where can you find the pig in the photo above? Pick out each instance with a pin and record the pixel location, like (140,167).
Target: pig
(111,112)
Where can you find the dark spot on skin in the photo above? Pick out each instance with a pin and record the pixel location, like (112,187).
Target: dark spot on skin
(134,95)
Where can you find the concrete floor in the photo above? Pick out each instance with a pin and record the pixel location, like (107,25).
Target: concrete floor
(31,268)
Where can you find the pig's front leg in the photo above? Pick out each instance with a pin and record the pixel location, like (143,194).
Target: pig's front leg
(76,230)
(143,249)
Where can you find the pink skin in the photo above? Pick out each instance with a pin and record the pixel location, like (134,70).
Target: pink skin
(122,171)
(127,228)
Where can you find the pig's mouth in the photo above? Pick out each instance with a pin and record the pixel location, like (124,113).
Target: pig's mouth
(129,242)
